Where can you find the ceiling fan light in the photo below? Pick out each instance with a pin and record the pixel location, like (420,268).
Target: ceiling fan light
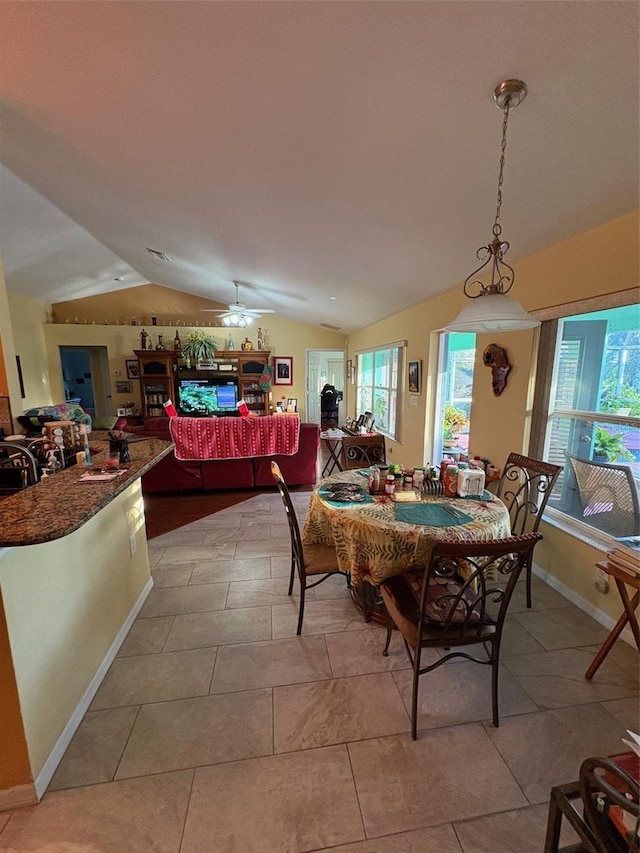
(492,312)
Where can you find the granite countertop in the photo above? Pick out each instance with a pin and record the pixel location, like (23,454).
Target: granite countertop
(58,505)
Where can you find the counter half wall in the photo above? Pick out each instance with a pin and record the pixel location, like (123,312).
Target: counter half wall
(68,605)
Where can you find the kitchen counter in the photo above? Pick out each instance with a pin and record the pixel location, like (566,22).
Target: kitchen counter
(58,505)
(74,573)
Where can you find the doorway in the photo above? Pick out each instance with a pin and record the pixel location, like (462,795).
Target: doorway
(85,377)
(324,367)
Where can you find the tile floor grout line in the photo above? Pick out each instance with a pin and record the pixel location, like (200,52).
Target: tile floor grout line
(186,811)
(126,744)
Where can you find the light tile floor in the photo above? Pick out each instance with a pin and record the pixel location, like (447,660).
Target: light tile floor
(216,730)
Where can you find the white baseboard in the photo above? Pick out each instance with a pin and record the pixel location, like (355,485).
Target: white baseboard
(606,621)
(55,756)
(18,797)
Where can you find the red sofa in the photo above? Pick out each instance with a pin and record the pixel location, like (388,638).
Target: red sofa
(170,474)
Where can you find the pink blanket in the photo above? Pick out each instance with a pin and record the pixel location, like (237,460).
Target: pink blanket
(234,438)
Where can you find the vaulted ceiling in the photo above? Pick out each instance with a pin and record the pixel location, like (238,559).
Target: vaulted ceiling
(307,149)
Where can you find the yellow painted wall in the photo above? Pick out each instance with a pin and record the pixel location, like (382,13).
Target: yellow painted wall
(8,350)
(602,260)
(28,318)
(65,602)
(285,337)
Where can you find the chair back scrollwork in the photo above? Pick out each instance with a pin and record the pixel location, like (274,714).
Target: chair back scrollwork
(525,487)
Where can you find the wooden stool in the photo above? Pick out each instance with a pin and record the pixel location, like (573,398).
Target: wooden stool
(622,579)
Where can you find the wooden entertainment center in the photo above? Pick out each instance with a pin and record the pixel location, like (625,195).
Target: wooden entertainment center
(159,371)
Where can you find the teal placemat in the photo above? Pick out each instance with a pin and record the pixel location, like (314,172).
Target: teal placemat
(430,515)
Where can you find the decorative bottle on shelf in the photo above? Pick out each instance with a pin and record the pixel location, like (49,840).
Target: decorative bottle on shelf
(230,343)
(159,345)
(260,339)
(177,343)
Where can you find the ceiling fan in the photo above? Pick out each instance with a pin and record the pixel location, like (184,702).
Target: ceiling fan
(237,314)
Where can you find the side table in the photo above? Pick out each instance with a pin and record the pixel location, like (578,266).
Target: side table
(332,440)
(622,580)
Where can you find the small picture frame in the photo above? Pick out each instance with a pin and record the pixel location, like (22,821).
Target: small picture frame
(124,387)
(292,404)
(133,368)
(415,369)
(283,370)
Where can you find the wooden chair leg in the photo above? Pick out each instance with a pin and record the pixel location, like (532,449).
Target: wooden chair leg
(528,584)
(385,651)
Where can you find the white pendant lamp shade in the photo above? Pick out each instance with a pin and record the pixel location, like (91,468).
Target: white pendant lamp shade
(492,312)
(489,308)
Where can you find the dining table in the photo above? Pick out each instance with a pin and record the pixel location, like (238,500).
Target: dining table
(377,536)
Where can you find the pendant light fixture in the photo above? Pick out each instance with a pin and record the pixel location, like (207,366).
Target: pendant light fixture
(491,310)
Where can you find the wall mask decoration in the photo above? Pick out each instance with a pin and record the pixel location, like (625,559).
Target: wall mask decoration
(496,358)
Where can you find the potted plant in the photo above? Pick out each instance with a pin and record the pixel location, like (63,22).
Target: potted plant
(198,347)
(609,445)
(455,420)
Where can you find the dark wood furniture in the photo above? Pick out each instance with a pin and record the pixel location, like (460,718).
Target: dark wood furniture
(160,370)
(602,807)
(362,451)
(524,487)
(157,370)
(452,604)
(622,580)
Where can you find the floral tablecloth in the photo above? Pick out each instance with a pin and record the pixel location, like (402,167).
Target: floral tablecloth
(372,545)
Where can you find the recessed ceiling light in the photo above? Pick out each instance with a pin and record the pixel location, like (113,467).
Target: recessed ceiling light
(333,298)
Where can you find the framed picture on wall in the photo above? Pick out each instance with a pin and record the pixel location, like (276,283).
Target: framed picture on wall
(124,387)
(133,368)
(414,377)
(283,370)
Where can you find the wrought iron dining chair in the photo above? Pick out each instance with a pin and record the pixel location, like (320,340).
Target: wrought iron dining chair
(611,802)
(608,495)
(18,467)
(524,487)
(312,560)
(362,451)
(451,603)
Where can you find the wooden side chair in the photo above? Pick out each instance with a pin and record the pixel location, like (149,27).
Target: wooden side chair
(313,561)
(451,603)
(524,487)
(362,451)
(608,496)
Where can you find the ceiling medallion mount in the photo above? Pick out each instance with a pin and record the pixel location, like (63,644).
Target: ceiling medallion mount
(494,278)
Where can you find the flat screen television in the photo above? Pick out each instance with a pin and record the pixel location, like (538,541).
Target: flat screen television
(207,396)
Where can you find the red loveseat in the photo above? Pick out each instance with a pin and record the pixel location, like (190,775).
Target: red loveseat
(171,474)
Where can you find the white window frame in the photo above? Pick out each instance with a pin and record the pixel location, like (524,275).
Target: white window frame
(543,413)
(392,389)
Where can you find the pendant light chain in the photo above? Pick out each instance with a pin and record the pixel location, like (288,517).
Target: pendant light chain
(497,228)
